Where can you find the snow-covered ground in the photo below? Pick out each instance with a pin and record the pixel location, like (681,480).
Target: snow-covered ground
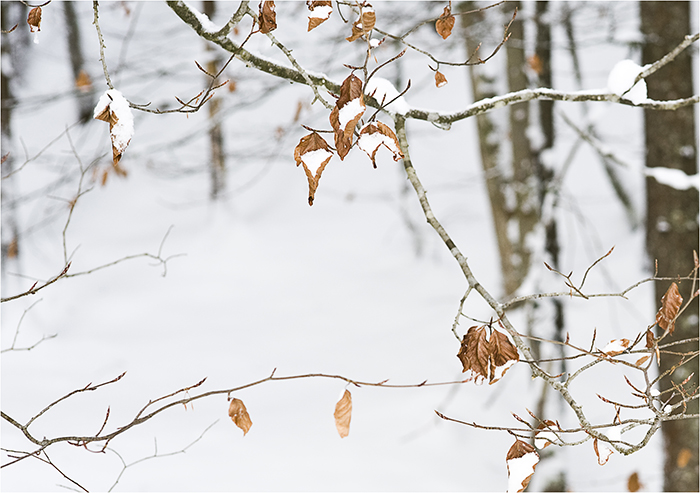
(261,281)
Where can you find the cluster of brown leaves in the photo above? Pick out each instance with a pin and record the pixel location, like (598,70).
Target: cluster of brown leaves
(314,153)
(485,357)
(342,414)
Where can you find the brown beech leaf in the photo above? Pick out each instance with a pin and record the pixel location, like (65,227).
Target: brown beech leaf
(34,19)
(83,82)
(670,304)
(313,153)
(440,79)
(343,413)
(364,24)
(267,17)
(319,12)
(633,483)
(503,356)
(474,354)
(603,450)
(114,109)
(649,339)
(445,23)
(521,461)
(375,135)
(347,112)
(239,415)
(616,346)
(544,436)
(642,360)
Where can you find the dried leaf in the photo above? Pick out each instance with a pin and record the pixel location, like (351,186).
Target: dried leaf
(364,24)
(503,356)
(313,153)
(319,12)
(343,413)
(347,112)
(34,19)
(535,63)
(239,415)
(616,346)
(83,82)
(633,483)
(683,457)
(114,109)
(603,450)
(474,354)
(670,304)
(267,17)
(544,437)
(649,339)
(521,461)
(642,360)
(445,23)
(440,79)
(375,135)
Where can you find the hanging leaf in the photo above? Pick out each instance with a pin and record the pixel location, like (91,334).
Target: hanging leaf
(319,12)
(649,339)
(486,358)
(503,356)
(267,17)
(616,346)
(440,79)
(544,437)
(363,25)
(313,153)
(603,450)
(343,413)
(445,23)
(114,109)
(375,135)
(633,483)
(474,354)
(642,360)
(670,304)
(521,461)
(34,19)
(347,112)
(239,415)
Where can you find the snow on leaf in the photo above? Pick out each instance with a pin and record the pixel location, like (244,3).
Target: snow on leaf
(621,78)
(503,356)
(239,415)
(670,304)
(343,414)
(543,436)
(445,23)
(375,135)
(319,12)
(521,461)
(603,450)
(347,112)
(34,20)
(440,79)
(313,153)
(267,17)
(616,346)
(113,108)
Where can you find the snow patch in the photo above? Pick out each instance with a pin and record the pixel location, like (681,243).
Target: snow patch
(674,178)
(621,79)
(314,159)
(122,131)
(350,111)
(383,90)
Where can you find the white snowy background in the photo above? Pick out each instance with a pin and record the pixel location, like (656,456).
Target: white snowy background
(264,281)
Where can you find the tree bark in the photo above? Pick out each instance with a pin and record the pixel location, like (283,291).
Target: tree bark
(85,100)
(672,227)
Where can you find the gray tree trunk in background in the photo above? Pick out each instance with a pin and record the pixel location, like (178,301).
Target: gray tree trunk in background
(672,227)
(86,101)
(217,165)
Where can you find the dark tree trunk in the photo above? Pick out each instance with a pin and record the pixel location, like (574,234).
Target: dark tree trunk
(86,102)
(672,227)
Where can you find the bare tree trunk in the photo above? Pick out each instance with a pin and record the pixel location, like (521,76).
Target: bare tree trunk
(86,102)
(216,139)
(672,227)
